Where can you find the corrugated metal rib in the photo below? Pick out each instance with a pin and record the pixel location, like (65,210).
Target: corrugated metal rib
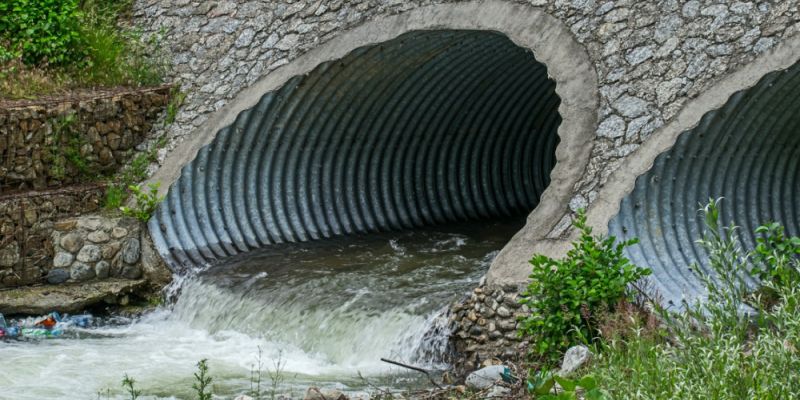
(428,128)
(747,152)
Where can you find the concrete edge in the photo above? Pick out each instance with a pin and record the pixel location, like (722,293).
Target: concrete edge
(622,181)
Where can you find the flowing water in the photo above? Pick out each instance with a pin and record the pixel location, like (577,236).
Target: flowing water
(326,311)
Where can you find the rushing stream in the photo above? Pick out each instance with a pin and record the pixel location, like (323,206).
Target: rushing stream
(327,311)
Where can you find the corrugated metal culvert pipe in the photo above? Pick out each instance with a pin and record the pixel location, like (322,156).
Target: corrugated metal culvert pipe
(428,128)
(747,152)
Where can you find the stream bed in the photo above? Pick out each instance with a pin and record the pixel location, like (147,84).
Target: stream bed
(326,312)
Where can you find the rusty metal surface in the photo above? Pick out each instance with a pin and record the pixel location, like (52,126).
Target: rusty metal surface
(428,128)
(747,152)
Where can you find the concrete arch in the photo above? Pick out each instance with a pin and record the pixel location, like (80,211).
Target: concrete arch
(552,44)
(738,141)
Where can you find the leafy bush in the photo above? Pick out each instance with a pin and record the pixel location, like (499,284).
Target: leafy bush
(543,383)
(565,296)
(776,258)
(48,46)
(42,31)
(146,202)
(728,347)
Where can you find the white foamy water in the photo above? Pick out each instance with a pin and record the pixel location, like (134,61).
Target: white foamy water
(327,310)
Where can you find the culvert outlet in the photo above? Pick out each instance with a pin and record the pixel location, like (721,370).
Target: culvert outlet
(747,152)
(428,128)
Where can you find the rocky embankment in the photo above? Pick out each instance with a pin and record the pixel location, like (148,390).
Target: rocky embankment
(60,250)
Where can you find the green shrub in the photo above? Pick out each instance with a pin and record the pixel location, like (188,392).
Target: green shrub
(49,46)
(776,258)
(565,296)
(543,382)
(42,31)
(202,381)
(146,202)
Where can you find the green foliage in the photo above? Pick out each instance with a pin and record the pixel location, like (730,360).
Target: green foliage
(64,149)
(565,296)
(146,202)
(202,381)
(776,258)
(728,347)
(543,382)
(176,100)
(50,45)
(42,31)
(136,171)
(129,384)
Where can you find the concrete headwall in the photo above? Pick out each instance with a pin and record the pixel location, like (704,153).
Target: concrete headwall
(647,62)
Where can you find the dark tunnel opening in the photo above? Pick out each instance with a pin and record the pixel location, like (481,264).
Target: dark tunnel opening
(747,152)
(428,128)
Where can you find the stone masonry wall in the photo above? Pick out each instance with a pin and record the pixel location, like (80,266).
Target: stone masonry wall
(64,141)
(484,327)
(650,56)
(63,235)
(26,225)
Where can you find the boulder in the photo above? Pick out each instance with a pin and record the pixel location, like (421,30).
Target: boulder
(102,269)
(314,393)
(131,250)
(485,377)
(575,358)
(90,253)
(71,242)
(56,276)
(81,272)
(63,259)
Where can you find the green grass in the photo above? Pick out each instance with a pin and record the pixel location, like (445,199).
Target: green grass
(72,45)
(716,350)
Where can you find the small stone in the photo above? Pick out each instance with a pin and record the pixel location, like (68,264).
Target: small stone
(63,259)
(612,127)
(503,312)
(691,9)
(56,276)
(639,55)
(506,325)
(110,249)
(630,106)
(511,300)
(130,250)
(90,223)
(119,232)
(475,330)
(288,42)
(131,272)
(245,38)
(65,225)
(98,237)
(472,316)
(81,272)
(102,269)
(494,335)
(9,256)
(90,253)
(574,358)
(485,377)
(314,393)
(72,242)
